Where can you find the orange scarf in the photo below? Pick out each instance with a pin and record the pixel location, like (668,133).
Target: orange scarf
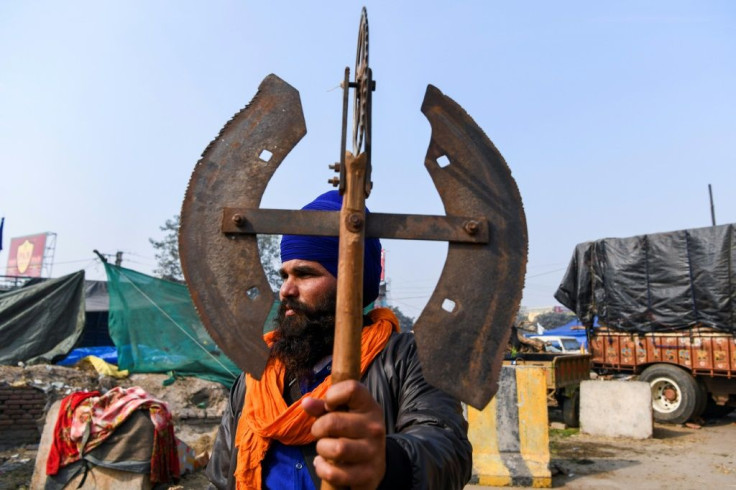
(266,415)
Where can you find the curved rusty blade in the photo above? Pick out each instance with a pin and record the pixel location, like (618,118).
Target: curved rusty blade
(464,329)
(223,272)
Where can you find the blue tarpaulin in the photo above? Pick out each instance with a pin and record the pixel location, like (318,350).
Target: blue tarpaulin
(571,329)
(108,354)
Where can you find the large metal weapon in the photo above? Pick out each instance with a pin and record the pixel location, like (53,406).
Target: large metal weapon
(463,330)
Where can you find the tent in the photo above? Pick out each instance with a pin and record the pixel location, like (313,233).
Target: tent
(156,329)
(142,323)
(42,321)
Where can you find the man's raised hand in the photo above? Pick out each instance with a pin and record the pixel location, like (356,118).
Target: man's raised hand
(351,443)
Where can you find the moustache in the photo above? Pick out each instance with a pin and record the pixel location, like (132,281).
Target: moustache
(296,306)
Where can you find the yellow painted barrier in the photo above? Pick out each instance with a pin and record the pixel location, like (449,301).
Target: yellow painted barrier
(510,436)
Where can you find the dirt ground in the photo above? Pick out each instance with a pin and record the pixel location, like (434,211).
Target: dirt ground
(677,457)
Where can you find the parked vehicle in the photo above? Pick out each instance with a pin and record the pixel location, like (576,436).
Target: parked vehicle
(559,343)
(563,373)
(665,309)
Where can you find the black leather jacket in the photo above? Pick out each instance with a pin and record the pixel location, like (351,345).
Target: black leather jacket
(425,426)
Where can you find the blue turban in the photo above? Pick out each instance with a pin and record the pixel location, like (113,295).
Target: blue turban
(324,249)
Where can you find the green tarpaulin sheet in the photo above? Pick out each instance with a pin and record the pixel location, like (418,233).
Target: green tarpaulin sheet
(42,322)
(156,329)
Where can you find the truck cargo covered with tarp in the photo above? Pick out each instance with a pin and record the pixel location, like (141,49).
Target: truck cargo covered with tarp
(156,329)
(657,282)
(42,322)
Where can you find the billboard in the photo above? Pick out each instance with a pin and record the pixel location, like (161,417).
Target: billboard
(25,255)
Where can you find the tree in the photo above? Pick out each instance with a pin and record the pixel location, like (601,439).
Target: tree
(554,319)
(167,252)
(405,323)
(169,265)
(269,248)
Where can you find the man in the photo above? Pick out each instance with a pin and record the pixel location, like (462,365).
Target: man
(292,428)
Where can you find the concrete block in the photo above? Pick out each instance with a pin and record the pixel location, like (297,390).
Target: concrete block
(616,409)
(510,437)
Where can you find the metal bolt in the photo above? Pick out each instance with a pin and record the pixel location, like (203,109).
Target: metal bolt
(335,181)
(238,220)
(335,167)
(471,227)
(355,222)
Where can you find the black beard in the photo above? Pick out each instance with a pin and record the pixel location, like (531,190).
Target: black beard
(305,338)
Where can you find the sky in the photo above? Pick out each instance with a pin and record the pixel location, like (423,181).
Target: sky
(614,117)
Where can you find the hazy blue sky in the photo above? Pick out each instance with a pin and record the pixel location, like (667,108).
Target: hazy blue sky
(613,116)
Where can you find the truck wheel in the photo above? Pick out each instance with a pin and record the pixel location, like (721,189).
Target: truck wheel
(675,394)
(571,410)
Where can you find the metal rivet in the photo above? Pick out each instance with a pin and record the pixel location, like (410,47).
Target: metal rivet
(238,220)
(472,227)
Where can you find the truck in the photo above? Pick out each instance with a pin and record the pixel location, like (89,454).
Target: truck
(662,308)
(563,374)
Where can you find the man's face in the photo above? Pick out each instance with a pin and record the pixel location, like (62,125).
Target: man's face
(306,286)
(306,319)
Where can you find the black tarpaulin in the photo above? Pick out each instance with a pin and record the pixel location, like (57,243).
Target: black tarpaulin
(656,282)
(42,322)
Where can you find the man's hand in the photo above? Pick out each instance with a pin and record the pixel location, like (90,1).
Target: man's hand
(351,444)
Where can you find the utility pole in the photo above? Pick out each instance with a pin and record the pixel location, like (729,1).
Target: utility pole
(118,258)
(712,207)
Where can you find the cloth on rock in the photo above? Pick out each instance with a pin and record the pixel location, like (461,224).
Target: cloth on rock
(87,419)
(267,417)
(63,449)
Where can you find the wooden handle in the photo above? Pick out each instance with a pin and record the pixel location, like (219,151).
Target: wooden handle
(349,312)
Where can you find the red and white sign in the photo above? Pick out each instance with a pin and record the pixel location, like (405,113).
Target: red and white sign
(25,257)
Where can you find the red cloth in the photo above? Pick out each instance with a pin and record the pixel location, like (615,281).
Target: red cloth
(63,448)
(92,419)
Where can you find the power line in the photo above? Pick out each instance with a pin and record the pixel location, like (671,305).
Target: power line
(73,261)
(545,273)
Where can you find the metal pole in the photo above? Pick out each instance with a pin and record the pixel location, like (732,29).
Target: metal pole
(712,207)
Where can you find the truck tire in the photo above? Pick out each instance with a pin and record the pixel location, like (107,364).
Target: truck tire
(571,410)
(675,393)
